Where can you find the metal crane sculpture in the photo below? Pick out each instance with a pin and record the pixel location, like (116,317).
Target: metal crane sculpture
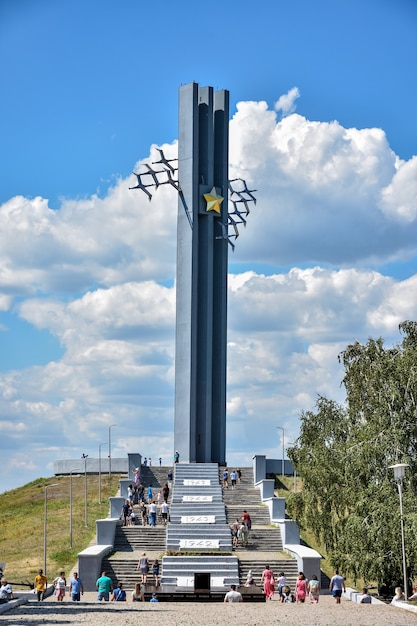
(240,195)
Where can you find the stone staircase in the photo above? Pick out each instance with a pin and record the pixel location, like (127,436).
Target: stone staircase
(154,476)
(217,511)
(264,540)
(244,496)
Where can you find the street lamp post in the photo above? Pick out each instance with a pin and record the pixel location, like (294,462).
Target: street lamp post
(99,470)
(283,452)
(399,473)
(44,523)
(110,427)
(85,457)
(76,469)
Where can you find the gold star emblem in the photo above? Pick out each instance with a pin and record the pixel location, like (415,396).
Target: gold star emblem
(213,201)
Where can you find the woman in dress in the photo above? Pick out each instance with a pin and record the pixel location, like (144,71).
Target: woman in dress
(268,582)
(301,588)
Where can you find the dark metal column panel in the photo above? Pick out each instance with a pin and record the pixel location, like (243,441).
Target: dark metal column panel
(205,279)
(220,271)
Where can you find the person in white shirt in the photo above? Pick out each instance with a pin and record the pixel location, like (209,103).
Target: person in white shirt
(365,598)
(6,592)
(233,595)
(399,596)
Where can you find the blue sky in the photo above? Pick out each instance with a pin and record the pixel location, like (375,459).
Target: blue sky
(87,89)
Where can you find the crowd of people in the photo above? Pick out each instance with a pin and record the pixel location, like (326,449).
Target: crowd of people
(304,589)
(148,504)
(106,591)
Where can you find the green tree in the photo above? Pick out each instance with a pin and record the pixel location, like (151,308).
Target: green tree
(343,454)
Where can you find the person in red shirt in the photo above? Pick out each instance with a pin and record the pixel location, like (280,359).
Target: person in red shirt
(246,518)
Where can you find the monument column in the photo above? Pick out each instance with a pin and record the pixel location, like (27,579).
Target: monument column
(202,251)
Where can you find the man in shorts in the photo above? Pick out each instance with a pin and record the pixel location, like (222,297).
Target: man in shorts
(41,585)
(337,585)
(76,588)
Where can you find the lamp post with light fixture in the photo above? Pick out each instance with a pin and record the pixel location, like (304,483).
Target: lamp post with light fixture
(399,474)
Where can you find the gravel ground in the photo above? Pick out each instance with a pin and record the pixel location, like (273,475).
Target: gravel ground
(326,613)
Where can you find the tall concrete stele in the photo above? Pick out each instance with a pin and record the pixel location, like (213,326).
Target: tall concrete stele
(202,255)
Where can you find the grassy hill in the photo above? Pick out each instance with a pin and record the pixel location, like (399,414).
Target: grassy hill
(22,523)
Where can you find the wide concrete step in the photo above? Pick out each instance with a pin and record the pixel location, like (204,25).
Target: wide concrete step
(130,538)
(265,539)
(198,537)
(180,490)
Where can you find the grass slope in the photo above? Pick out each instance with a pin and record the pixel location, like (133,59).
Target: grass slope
(22,524)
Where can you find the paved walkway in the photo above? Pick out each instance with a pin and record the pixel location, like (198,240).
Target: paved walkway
(326,613)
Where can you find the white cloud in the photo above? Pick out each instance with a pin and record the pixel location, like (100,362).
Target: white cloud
(286,103)
(325,193)
(399,198)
